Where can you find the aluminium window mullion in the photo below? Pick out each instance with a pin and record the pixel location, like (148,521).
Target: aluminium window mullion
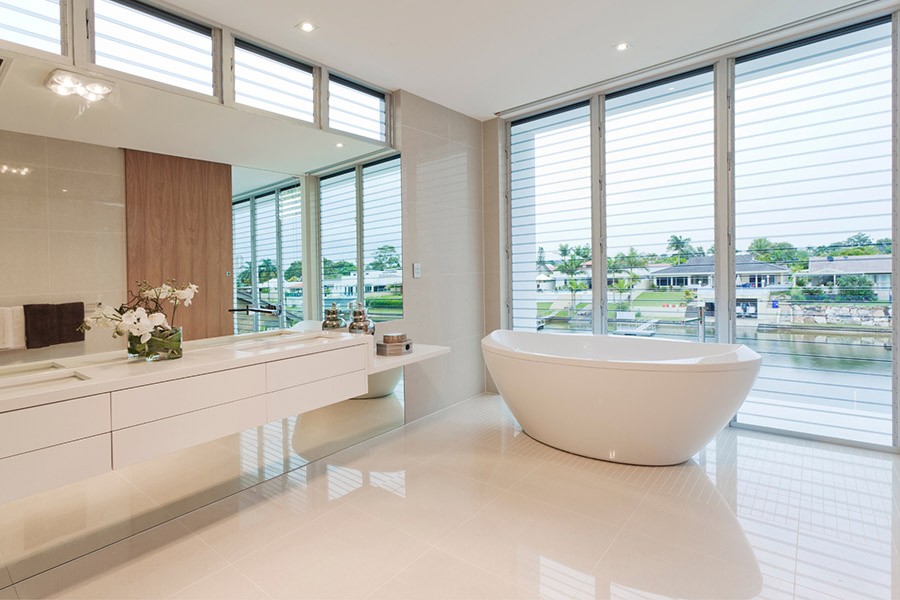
(254,270)
(279,264)
(360,256)
(600,294)
(724,206)
(895,227)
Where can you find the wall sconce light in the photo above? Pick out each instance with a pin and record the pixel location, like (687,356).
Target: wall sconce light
(66,83)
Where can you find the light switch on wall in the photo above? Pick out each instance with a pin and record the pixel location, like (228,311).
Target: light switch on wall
(417,270)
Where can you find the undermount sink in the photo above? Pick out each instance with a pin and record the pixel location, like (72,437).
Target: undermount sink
(35,382)
(29,369)
(281,339)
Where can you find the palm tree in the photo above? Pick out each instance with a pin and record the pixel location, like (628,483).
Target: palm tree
(572,265)
(680,247)
(267,270)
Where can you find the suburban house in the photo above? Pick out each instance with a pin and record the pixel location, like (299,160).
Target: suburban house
(825,270)
(699,271)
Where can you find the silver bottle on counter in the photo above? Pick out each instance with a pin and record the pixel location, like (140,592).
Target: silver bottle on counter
(361,323)
(333,318)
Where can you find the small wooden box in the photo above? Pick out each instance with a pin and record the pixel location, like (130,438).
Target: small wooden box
(397,349)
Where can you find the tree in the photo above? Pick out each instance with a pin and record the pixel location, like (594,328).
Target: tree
(245,277)
(784,253)
(335,269)
(294,272)
(572,265)
(855,288)
(759,249)
(681,248)
(541,261)
(267,270)
(883,245)
(858,244)
(386,259)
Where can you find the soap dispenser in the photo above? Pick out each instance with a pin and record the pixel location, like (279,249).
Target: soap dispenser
(333,319)
(361,324)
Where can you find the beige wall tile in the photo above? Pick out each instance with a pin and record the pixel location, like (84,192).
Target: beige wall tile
(24,262)
(415,112)
(77,156)
(23,200)
(81,201)
(85,261)
(20,149)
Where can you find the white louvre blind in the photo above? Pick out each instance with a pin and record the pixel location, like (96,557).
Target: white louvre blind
(141,40)
(356,109)
(337,199)
(382,240)
(267,247)
(35,23)
(813,146)
(265,80)
(242,255)
(290,207)
(660,186)
(551,221)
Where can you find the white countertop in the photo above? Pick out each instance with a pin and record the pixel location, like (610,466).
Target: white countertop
(34,384)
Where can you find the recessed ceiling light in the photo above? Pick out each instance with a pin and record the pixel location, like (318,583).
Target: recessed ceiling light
(306,26)
(623,46)
(339,145)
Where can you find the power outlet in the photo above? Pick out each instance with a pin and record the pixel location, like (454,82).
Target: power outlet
(417,270)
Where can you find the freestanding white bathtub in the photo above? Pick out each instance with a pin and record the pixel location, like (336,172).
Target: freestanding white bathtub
(629,400)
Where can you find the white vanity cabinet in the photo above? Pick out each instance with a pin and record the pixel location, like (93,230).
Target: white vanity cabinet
(54,444)
(298,385)
(153,420)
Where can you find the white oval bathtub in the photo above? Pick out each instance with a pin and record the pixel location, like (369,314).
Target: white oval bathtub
(623,399)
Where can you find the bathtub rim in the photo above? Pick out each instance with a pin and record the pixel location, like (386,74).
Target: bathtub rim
(744,356)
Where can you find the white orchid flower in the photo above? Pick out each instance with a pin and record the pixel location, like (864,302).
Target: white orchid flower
(158,319)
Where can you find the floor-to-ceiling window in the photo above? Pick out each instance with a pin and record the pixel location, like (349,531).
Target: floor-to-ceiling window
(659,179)
(361,239)
(781,185)
(813,231)
(550,181)
(268,265)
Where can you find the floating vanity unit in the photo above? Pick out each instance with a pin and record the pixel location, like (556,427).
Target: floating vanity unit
(71,419)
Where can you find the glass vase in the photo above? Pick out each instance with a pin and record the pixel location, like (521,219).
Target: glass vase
(164,344)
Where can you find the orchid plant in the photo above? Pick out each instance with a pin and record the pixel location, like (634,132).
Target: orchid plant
(145,312)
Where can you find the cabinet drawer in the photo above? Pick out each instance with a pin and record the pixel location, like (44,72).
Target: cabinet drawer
(291,372)
(33,472)
(161,400)
(310,396)
(150,440)
(51,424)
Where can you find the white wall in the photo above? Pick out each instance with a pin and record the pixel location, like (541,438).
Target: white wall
(443,230)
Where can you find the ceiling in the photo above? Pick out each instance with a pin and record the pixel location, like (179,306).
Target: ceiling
(480,57)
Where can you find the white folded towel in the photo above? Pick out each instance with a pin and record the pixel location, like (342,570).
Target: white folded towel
(12,328)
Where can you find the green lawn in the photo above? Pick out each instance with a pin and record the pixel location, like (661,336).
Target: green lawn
(651,298)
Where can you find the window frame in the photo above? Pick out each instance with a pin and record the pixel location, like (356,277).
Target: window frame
(65,56)
(327,78)
(722,61)
(356,168)
(179,18)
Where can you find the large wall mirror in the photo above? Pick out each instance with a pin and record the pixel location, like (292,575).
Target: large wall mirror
(71,174)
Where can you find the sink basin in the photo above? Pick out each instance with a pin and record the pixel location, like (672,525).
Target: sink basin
(284,339)
(29,369)
(36,382)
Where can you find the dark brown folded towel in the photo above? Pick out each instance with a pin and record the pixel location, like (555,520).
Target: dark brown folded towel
(66,321)
(48,324)
(39,329)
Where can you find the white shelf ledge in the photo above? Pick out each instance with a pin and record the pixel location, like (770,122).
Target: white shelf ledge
(420,352)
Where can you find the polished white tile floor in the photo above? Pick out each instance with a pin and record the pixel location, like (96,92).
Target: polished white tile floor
(463,505)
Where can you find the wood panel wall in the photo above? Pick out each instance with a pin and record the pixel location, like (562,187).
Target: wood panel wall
(178,226)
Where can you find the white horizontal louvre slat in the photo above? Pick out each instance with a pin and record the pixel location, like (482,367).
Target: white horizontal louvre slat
(272,85)
(813,177)
(242,247)
(35,23)
(143,44)
(382,240)
(290,207)
(356,111)
(550,164)
(337,199)
(659,177)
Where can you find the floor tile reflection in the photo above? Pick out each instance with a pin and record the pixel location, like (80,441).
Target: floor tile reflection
(463,504)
